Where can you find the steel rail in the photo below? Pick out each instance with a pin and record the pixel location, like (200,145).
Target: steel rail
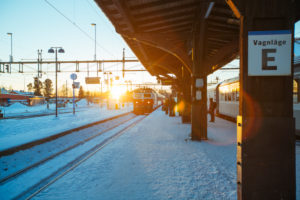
(20,172)
(70,166)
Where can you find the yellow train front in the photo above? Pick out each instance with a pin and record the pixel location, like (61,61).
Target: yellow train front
(144,100)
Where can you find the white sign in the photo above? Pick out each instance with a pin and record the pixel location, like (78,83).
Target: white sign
(269,53)
(198,95)
(199,82)
(76,85)
(73,76)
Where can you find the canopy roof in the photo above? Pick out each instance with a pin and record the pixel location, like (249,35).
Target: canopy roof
(161,32)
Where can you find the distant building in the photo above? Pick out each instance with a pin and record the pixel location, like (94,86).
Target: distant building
(8,97)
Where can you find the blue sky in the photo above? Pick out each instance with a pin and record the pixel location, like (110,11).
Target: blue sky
(36,25)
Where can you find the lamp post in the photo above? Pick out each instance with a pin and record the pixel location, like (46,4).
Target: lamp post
(60,50)
(11,55)
(108,81)
(93,24)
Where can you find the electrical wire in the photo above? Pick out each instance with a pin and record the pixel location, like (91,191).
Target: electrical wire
(94,9)
(74,24)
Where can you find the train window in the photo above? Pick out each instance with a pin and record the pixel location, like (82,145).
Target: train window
(233,94)
(229,96)
(138,95)
(147,95)
(237,95)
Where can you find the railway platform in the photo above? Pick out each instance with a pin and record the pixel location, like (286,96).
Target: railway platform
(155,159)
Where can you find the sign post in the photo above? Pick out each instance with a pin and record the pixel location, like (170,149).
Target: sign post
(73,77)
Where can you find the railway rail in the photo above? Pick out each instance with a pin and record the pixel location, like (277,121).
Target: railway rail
(69,147)
(125,122)
(55,136)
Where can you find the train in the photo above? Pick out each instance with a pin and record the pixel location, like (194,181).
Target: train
(144,100)
(226,95)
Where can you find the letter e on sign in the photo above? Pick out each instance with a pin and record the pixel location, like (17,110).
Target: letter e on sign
(269,53)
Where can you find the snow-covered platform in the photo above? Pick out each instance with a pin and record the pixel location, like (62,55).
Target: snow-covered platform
(157,160)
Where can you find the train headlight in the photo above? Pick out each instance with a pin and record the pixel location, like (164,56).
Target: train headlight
(136,102)
(148,102)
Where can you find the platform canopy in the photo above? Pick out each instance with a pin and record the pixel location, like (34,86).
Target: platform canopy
(161,32)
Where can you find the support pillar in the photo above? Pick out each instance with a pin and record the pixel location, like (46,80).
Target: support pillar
(199,85)
(199,108)
(265,126)
(186,99)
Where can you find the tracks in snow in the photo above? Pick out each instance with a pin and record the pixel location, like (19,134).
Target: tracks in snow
(124,122)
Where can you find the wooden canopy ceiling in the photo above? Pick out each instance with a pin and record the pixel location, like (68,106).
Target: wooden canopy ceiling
(161,32)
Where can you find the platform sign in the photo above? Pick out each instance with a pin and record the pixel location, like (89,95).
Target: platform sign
(269,53)
(76,85)
(73,76)
(92,80)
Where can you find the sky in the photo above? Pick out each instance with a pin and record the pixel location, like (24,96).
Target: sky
(41,24)
(37,25)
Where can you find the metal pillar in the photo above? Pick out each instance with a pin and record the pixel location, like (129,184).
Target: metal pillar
(123,63)
(199,85)
(56,111)
(265,127)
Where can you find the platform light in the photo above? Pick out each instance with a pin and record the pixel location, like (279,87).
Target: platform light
(60,50)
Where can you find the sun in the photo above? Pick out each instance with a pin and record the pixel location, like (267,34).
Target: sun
(116,92)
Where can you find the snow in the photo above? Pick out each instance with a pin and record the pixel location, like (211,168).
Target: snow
(15,132)
(153,160)
(158,162)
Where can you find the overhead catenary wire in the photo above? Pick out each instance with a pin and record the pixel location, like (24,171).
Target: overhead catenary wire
(78,27)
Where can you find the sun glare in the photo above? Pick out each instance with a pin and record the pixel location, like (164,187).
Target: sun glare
(116,92)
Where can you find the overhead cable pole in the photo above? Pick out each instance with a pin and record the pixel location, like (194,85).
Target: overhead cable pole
(95,57)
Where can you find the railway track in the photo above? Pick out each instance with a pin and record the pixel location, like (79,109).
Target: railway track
(72,165)
(45,181)
(25,146)
(40,162)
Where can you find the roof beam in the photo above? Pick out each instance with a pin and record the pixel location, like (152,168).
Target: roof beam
(223,56)
(164,11)
(169,27)
(156,3)
(169,17)
(168,22)
(159,41)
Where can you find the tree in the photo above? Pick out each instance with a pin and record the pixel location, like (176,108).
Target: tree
(29,86)
(81,92)
(48,88)
(37,86)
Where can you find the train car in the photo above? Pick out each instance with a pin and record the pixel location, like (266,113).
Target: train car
(144,100)
(228,98)
(226,95)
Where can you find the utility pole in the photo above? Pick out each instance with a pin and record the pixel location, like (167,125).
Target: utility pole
(95,57)
(123,70)
(66,88)
(11,47)
(39,63)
